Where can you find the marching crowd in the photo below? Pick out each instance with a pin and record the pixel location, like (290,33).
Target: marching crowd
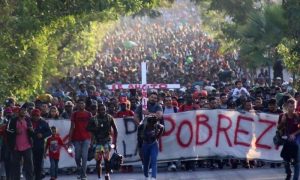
(26,136)
(177,51)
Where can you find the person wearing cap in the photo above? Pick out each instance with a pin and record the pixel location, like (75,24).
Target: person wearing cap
(41,132)
(19,139)
(125,112)
(68,110)
(124,109)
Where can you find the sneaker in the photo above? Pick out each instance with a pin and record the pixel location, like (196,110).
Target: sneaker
(21,176)
(84,178)
(106,177)
(172,167)
(78,177)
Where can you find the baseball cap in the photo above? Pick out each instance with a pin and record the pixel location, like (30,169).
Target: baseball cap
(69,103)
(36,112)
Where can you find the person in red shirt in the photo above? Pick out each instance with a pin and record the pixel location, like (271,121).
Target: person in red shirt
(80,137)
(53,145)
(288,125)
(189,105)
(124,109)
(125,112)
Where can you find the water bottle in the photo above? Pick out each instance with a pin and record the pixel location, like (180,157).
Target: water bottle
(112,146)
(70,149)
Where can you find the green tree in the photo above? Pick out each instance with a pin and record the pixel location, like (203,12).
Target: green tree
(289,48)
(260,35)
(41,39)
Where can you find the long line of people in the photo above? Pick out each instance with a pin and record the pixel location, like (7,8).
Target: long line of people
(24,129)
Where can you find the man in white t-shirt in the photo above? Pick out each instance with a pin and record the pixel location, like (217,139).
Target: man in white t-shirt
(168,108)
(239,91)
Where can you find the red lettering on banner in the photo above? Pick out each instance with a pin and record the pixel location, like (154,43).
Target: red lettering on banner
(189,124)
(163,86)
(144,87)
(131,86)
(144,93)
(169,131)
(173,124)
(116,86)
(137,86)
(154,86)
(204,123)
(224,129)
(237,130)
(271,125)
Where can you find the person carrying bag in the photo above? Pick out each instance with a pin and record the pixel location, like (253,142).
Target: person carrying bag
(289,124)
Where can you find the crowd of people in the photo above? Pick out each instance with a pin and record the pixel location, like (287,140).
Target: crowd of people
(176,51)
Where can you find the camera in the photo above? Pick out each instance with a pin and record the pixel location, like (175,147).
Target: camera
(151,119)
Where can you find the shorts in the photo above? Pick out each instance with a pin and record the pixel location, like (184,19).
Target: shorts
(100,149)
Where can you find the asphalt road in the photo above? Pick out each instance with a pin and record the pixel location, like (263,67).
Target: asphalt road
(205,174)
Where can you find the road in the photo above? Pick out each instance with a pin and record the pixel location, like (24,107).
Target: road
(226,174)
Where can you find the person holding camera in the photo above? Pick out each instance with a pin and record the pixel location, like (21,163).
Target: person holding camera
(100,126)
(149,131)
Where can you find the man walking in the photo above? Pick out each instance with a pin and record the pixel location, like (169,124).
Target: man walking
(100,126)
(19,134)
(80,137)
(41,132)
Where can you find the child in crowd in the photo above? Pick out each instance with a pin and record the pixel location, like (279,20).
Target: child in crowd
(53,145)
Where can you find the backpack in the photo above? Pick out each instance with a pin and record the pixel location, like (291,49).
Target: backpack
(115,161)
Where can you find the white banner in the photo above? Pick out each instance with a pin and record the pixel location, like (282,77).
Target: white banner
(197,134)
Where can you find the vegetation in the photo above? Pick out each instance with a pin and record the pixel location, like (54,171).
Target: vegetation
(262,31)
(43,39)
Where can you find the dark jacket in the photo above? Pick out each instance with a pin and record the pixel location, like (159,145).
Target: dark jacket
(44,129)
(12,132)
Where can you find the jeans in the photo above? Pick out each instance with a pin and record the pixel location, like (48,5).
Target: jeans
(81,154)
(287,166)
(16,157)
(150,153)
(53,167)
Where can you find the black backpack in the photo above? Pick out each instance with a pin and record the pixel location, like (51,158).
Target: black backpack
(116,160)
